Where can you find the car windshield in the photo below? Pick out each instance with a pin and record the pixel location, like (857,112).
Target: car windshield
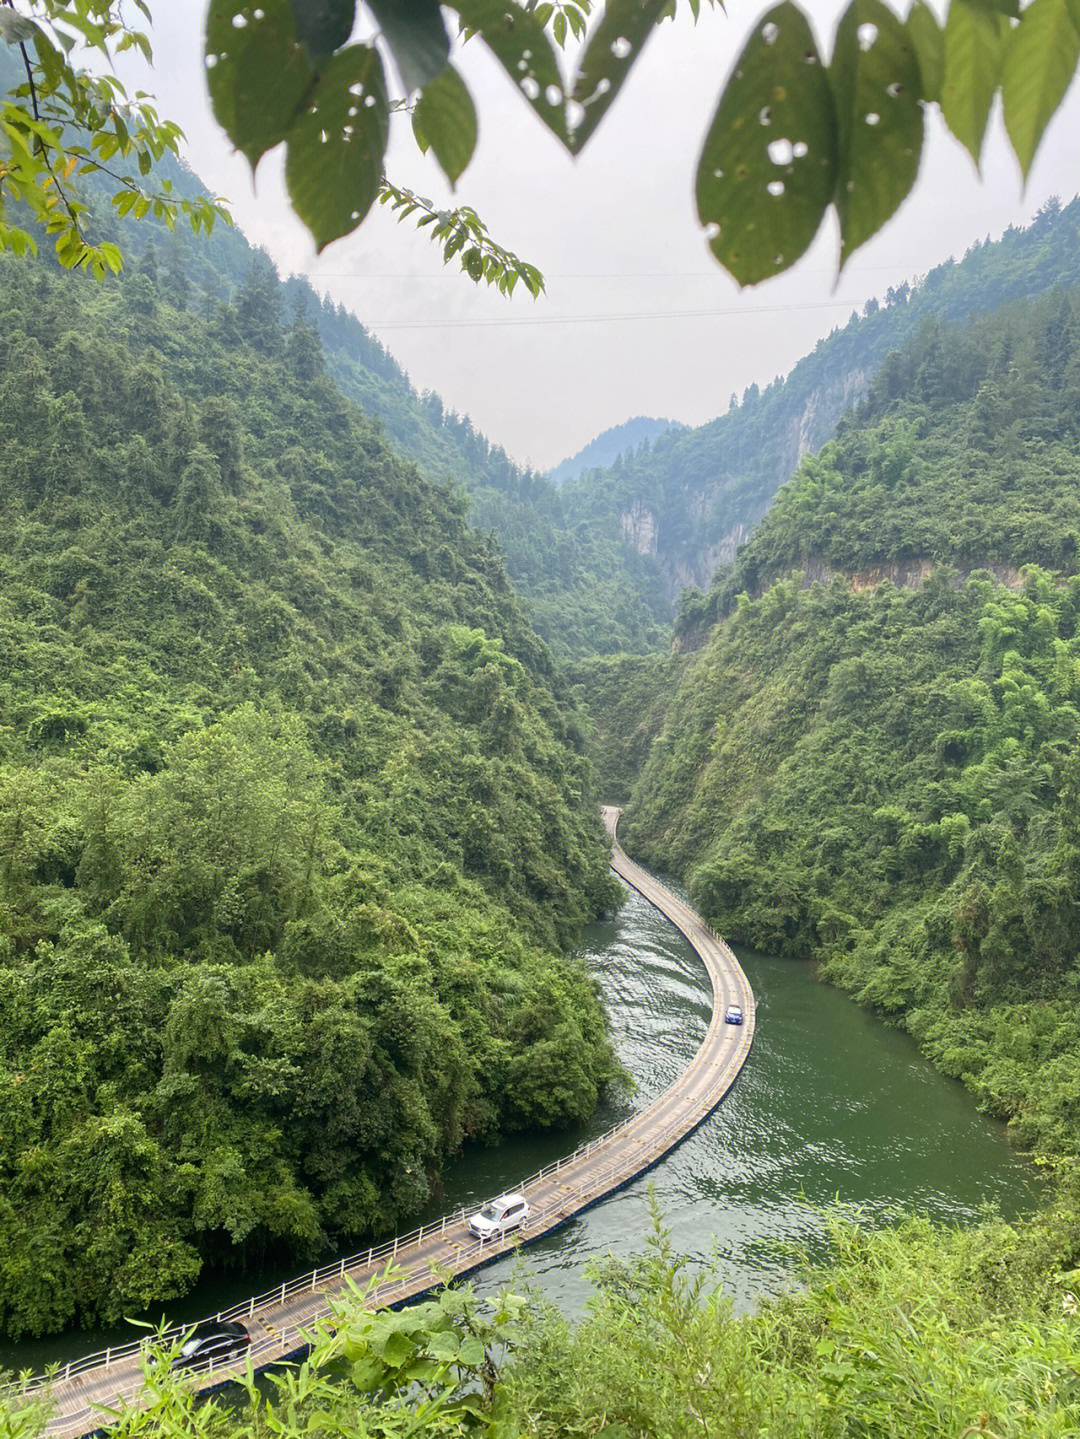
(490,1212)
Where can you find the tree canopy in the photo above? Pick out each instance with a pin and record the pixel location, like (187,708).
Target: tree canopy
(296,823)
(795,132)
(59,122)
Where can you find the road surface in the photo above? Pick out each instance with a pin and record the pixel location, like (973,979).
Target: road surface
(280,1320)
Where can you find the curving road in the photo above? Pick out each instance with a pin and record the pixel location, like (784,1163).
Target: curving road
(412,1264)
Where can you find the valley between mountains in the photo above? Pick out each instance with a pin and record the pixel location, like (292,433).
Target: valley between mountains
(309,700)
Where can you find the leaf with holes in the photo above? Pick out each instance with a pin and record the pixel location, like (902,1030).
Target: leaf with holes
(257,72)
(768,167)
(323,25)
(879,121)
(520,44)
(16,29)
(445,121)
(1040,61)
(334,158)
(929,42)
(974,49)
(614,45)
(416,33)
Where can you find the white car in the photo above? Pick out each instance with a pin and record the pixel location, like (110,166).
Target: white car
(499,1216)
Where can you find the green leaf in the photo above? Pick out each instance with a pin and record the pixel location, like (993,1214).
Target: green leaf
(367,1374)
(445,120)
(110,253)
(416,33)
(926,35)
(768,167)
(522,47)
(257,72)
(397,1349)
(334,158)
(471,1354)
(16,29)
(614,45)
(879,121)
(323,25)
(974,45)
(443,1345)
(1040,61)
(1009,8)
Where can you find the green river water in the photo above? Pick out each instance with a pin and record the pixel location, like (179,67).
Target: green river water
(831,1104)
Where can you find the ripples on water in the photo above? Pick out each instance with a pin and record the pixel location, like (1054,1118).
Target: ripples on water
(831,1103)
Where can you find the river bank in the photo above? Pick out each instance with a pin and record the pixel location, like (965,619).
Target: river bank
(832,1104)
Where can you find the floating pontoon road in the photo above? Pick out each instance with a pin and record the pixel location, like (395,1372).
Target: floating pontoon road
(280,1319)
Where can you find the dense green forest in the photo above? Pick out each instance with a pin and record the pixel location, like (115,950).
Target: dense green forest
(296,819)
(585,591)
(627,697)
(887,778)
(298,824)
(708,487)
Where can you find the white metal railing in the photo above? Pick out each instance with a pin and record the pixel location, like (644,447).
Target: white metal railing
(389,1251)
(402,1284)
(362,1260)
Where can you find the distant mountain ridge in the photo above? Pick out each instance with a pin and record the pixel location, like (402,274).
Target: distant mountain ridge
(601,559)
(695,496)
(619,440)
(964,452)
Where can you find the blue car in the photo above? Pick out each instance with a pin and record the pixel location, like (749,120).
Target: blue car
(733,1014)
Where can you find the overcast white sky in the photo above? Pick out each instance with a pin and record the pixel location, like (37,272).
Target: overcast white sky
(637,318)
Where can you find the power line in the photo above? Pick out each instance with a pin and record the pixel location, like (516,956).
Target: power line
(450,273)
(605,319)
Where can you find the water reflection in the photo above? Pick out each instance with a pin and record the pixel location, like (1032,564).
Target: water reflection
(831,1103)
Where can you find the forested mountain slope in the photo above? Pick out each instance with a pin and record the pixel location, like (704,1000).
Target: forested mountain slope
(887,778)
(619,440)
(694,497)
(585,590)
(295,816)
(965,451)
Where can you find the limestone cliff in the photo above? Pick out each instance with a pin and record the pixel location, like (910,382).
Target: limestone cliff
(694,496)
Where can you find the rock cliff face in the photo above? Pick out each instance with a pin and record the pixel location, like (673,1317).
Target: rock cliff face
(710,510)
(639,528)
(906,574)
(816,420)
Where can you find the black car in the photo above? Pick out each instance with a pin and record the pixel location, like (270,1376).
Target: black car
(211,1341)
